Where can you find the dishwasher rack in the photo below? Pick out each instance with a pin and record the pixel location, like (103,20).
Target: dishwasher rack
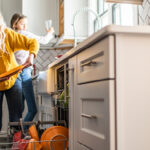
(37,145)
(49,144)
(60,118)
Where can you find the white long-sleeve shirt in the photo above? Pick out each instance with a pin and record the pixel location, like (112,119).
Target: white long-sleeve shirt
(22,55)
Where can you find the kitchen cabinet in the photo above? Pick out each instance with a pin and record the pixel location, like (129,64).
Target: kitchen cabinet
(96,114)
(109,91)
(97,62)
(92,99)
(109,80)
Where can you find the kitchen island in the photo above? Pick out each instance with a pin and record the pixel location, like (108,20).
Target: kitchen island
(109,98)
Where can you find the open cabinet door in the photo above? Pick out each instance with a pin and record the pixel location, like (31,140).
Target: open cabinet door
(138,2)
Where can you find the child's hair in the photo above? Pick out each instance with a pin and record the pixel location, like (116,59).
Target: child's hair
(2,33)
(14,20)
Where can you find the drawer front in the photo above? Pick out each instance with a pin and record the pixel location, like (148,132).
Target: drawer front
(95,117)
(96,62)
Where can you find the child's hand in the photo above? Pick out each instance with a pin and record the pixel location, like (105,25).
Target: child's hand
(51,30)
(29,61)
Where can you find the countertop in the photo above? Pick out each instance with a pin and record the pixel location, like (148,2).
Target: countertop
(108,30)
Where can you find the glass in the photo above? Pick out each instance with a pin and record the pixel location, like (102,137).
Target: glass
(48,24)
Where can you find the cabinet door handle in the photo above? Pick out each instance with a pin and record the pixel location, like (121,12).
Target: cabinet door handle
(89,63)
(89,116)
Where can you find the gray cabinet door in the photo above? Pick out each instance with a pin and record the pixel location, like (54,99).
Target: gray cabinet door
(96,115)
(97,62)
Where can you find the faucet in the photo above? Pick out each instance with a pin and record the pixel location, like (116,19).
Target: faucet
(85,9)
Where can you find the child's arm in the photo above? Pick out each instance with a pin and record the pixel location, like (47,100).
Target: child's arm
(41,39)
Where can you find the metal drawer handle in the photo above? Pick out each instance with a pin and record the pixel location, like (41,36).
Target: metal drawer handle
(89,63)
(89,116)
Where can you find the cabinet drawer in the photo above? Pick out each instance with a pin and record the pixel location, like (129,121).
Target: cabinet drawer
(97,61)
(95,117)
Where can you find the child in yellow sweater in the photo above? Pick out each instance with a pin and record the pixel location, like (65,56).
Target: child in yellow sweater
(10,42)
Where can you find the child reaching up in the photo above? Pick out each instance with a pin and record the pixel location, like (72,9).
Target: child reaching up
(19,24)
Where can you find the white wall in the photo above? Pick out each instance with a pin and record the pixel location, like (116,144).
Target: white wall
(9,7)
(0,5)
(37,12)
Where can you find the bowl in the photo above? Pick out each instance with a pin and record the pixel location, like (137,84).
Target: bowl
(55,137)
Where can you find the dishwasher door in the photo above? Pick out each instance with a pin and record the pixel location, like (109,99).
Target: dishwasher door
(46,82)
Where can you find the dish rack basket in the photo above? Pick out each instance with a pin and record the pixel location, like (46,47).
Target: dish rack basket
(48,145)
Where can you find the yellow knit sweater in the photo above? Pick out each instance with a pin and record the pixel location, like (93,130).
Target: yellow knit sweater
(13,42)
